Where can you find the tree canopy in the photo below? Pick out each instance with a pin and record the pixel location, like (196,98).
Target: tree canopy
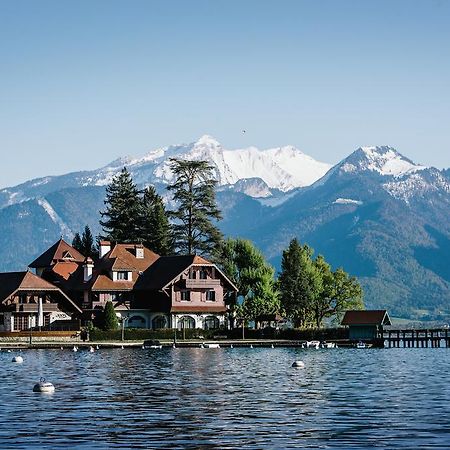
(246,266)
(193,226)
(85,243)
(155,230)
(311,291)
(121,218)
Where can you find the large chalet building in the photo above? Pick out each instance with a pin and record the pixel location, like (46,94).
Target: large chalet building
(147,290)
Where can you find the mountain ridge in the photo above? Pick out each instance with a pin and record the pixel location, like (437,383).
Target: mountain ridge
(377,213)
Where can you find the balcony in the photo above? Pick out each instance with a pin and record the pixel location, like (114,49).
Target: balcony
(194,283)
(33,307)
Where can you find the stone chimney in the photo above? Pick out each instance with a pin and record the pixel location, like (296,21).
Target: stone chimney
(105,247)
(88,266)
(139,251)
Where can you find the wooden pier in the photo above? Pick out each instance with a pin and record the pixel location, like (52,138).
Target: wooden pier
(418,338)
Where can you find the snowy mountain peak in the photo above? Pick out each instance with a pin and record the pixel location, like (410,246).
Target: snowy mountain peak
(382,159)
(284,168)
(207,140)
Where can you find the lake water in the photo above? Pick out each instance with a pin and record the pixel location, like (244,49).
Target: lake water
(227,398)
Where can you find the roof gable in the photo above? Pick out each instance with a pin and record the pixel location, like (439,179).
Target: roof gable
(168,268)
(59,251)
(123,257)
(366,317)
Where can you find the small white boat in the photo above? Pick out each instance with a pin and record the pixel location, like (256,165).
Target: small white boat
(313,344)
(361,344)
(328,345)
(211,345)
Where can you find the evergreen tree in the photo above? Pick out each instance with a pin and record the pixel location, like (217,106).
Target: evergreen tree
(76,243)
(120,220)
(155,229)
(299,282)
(194,193)
(110,317)
(246,266)
(87,243)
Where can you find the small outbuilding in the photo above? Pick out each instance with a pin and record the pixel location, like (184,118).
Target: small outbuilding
(366,324)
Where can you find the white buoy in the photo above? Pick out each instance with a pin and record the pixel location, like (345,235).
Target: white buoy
(298,364)
(8,351)
(62,348)
(143,347)
(17,359)
(121,347)
(231,346)
(75,348)
(44,387)
(97,347)
(174,346)
(272,346)
(91,349)
(251,346)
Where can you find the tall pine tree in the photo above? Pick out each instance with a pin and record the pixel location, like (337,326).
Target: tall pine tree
(194,230)
(76,243)
(155,230)
(121,218)
(85,243)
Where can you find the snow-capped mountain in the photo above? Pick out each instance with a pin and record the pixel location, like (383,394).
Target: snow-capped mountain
(378,214)
(281,169)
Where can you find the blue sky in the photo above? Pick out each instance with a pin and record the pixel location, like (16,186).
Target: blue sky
(83,82)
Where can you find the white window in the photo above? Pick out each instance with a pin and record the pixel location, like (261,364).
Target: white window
(122,275)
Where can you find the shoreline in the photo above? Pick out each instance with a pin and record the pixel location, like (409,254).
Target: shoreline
(192,343)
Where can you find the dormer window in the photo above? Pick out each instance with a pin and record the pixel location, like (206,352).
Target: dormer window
(122,276)
(139,252)
(67,255)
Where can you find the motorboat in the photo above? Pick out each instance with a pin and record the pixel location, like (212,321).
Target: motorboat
(361,344)
(211,345)
(152,343)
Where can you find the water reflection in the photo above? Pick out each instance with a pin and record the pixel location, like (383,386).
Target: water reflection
(227,398)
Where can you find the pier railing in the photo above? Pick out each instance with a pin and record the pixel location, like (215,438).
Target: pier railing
(410,338)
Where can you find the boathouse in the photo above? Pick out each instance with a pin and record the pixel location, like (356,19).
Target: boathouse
(366,324)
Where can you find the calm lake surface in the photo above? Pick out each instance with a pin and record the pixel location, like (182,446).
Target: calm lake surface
(227,398)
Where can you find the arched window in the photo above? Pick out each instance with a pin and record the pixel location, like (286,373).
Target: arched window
(136,322)
(186,322)
(159,322)
(211,323)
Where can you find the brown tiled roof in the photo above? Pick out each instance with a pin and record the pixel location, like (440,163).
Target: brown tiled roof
(65,269)
(122,257)
(12,282)
(366,317)
(104,283)
(200,308)
(56,253)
